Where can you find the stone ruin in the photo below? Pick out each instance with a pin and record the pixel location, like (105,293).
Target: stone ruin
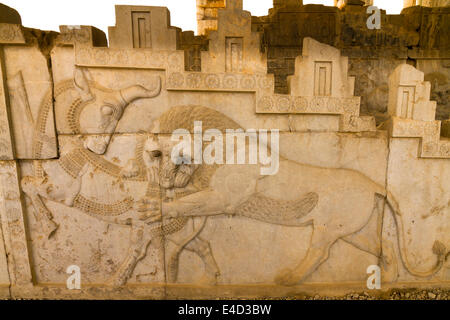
(87,180)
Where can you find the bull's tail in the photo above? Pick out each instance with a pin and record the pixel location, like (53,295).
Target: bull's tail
(439,248)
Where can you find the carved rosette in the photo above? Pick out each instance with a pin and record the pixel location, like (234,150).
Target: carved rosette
(125,58)
(428,131)
(265,104)
(316,105)
(230,81)
(212,81)
(176,80)
(219,82)
(194,80)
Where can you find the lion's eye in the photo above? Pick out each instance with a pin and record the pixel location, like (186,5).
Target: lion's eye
(107,111)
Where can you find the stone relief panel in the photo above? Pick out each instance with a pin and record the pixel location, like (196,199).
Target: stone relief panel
(6,139)
(142,219)
(413,177)
(413,114)
(234,40)
(143,27)
(176,205)
(90,225)
(31,104)
(329,90)
(13,226)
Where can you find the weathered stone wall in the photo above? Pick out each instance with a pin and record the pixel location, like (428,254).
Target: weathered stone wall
(426,3)
(419,36)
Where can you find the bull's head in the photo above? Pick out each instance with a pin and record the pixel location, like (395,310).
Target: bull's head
(103,109)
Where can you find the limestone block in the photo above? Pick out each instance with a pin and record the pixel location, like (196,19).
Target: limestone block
(326,70)
(81,36)
(203,26)
(423,201)
(11,34)
(328,91)
(143,27)
(13,226)
(31,103)
(412,114)
(234,47)
(6,140)
(431,145)
(409,95)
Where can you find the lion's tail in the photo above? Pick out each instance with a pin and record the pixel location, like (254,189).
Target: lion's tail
(439,248)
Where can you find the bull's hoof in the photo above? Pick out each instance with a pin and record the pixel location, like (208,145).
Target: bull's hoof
(287,278)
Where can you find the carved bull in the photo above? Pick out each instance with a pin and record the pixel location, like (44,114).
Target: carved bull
(101,109)
(96,111)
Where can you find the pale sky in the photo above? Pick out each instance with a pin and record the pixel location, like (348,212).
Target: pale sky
(49,14)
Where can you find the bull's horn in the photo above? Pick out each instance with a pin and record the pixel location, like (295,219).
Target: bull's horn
(137,92)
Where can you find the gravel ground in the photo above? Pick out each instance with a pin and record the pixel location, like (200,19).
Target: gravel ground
(397,294)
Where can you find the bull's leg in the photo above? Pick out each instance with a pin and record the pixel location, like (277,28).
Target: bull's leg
(136,252)
(318,253)
(41,213)
(203,249)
